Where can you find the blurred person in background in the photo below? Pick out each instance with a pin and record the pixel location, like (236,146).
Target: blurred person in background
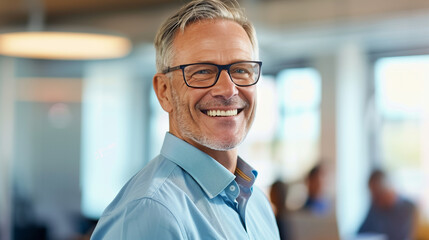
(389,215)
(316,220)
(278,195)
(198,187)
(316,201)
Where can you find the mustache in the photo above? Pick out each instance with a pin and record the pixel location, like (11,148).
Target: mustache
(235,101)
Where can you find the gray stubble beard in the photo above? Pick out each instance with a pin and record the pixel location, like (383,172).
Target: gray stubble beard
(187,132)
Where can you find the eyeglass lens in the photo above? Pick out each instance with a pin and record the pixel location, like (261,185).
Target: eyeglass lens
(204,75)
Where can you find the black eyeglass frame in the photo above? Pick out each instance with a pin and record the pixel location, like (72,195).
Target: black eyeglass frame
(220,68)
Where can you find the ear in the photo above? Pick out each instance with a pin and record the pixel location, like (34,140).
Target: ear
(161,85)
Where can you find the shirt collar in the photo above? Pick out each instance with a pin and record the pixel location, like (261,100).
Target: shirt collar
(246,174)
(209,174)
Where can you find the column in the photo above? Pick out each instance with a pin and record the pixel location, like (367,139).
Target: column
(7,108)
(353,161)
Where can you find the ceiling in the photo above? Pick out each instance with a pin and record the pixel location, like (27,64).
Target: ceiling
(287,29)
(18,11)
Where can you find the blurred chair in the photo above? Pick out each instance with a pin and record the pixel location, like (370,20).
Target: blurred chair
(308,226)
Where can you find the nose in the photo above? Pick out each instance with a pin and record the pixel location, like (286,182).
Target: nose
(224,87)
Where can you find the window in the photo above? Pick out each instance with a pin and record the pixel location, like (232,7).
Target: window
(299,129)
(402,101)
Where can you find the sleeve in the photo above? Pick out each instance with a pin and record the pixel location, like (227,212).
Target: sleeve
(143,219)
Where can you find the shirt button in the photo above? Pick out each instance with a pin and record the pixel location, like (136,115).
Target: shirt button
(232,188)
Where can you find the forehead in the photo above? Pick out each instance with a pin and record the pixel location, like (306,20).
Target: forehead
(212,40)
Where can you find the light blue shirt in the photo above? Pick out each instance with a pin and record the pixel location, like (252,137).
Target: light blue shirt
(185,194)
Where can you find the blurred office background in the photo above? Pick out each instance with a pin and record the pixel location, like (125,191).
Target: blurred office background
(344,82)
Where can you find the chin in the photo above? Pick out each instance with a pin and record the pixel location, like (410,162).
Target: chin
(223,143)
(221,146)
(218,144)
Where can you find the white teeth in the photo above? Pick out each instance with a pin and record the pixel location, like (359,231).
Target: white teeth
(222,113)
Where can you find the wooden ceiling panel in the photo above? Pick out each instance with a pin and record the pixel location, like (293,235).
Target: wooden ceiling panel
(13,11)
(55,8)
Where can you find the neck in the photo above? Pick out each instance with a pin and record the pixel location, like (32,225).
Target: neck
(228,159)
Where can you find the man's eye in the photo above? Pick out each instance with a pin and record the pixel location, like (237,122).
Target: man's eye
(203,71)
(241,71)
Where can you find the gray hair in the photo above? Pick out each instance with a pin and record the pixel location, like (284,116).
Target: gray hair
(194,11)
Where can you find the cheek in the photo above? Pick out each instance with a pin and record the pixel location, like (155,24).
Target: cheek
(195,96)
(182,95)
(250,96)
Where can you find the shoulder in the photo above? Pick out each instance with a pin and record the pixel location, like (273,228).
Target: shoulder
(146,184)
(407,202)
(142,218)
(142,208)
(406,205)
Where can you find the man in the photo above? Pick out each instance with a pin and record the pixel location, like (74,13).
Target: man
(316,202)
(198,187)
(389,214)
(317,213)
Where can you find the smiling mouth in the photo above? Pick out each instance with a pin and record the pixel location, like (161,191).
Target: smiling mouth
(222,113)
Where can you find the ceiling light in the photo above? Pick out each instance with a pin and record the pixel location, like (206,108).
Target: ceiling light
(63,45)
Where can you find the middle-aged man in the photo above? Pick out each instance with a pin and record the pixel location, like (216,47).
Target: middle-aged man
(198,187)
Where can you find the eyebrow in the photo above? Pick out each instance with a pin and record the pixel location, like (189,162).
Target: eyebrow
(230,62)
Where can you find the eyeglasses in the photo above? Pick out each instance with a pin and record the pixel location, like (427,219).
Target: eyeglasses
(205,75)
